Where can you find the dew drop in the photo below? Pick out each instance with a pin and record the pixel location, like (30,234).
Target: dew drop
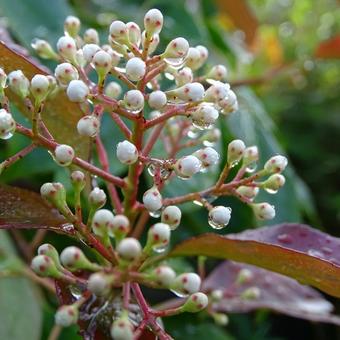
(179,293)
(207,143)
(156,213)
(152,170)
(68,227)
(327,251)
(169,76)
(193,133)
(314,252)
(197,202)
(215,225)
(176,63)
(251,167)
(160,248)
(76,292)
(270,191)
(201,125)
(7,135)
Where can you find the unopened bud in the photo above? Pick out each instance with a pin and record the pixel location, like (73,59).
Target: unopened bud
(208,156)
(187,166)
(88,126)
(127,152)
(244,276)
(129,249)
(65,73)
(78,180)
(177,48)
(66,315)
(97,198)
(274,183)
(183,76)
(134,100)
(77,91)
(153,21)
(7,124)
(158,237)
(220,319)
(187,283)
(72,26)
(44,49)
(18,83)
(218,72)
(205,116)
(74,259)
(195,303)
(113,90)
(115,57)
(216,92)
(263,211)
(120,226)
(55,193)
(100,283)
(48,250)
(44,266)
(217,295)
(134,33)
(39,87)
(67,48)
(89,50)
(91,36)
(250,155)
(191,92)
(193,58)
(157,100)
(172,215)
(135,69)
(103,63)
(122,329)
(276,164)
(248,191)
(164,276)
(251,293)
(102,222)
(152,199)
(119,32)
(235,151)
(219,217)
(64,154)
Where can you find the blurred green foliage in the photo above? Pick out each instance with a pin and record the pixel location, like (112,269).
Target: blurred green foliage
(296,111)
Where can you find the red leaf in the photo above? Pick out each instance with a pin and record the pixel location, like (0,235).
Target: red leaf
(329,49)
(23,209)
(277,292)
(295,250)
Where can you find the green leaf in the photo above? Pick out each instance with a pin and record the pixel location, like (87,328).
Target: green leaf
(295,250)
(20,312)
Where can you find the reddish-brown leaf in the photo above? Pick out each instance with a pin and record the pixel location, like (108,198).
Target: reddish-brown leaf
(329,49)
(277,292)
(59,114)
(295,250)
(23,209)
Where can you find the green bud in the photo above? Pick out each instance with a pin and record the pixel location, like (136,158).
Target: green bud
(195,303)
(67,315)
(251,293)
(48,250)
(74,259)
(19,84)
(44,266)
(55,193)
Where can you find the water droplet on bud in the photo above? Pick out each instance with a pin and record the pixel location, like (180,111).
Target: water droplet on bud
(179,293)
(156,213)
(251,167)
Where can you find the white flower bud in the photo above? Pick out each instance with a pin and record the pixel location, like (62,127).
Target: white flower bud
(134,32)
(158,237)
(78,180)
(204,116)
(244,276)
(153,21)
(217,295)
(187,283)
(115,58)
(171,215)
(187,166)
(263,211)
(88,126)
(119,32)
(7,124)
(102,222)
(113,90)
(229,103)
(97,198)
(152,199)
(274,183)
(48,250)
(134,100)
(65,73)
(218,72)
(191,92)
(208,156)
(235,151)
(204,53)
(74,259)
(127,152)
(220,319)
(72,25)
(100,283)
(177,48)
(77,91)
(248,192)
(91,36)
(120,226)
(80,59)
(129,249)
(64,154)
(122,329)
(217,92)
(103,63)
(153,43)
(251,293)
(55,193)
(211,136)
(193,58)
(195,303)
(250,155)
(183,76)
(44,266)
(157,100)
(66,315)
(43,49)
(18,83)
(276,164)
(219,217)
(135,69)
(89,50)
(67,48)
(39,87)
(164,276)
